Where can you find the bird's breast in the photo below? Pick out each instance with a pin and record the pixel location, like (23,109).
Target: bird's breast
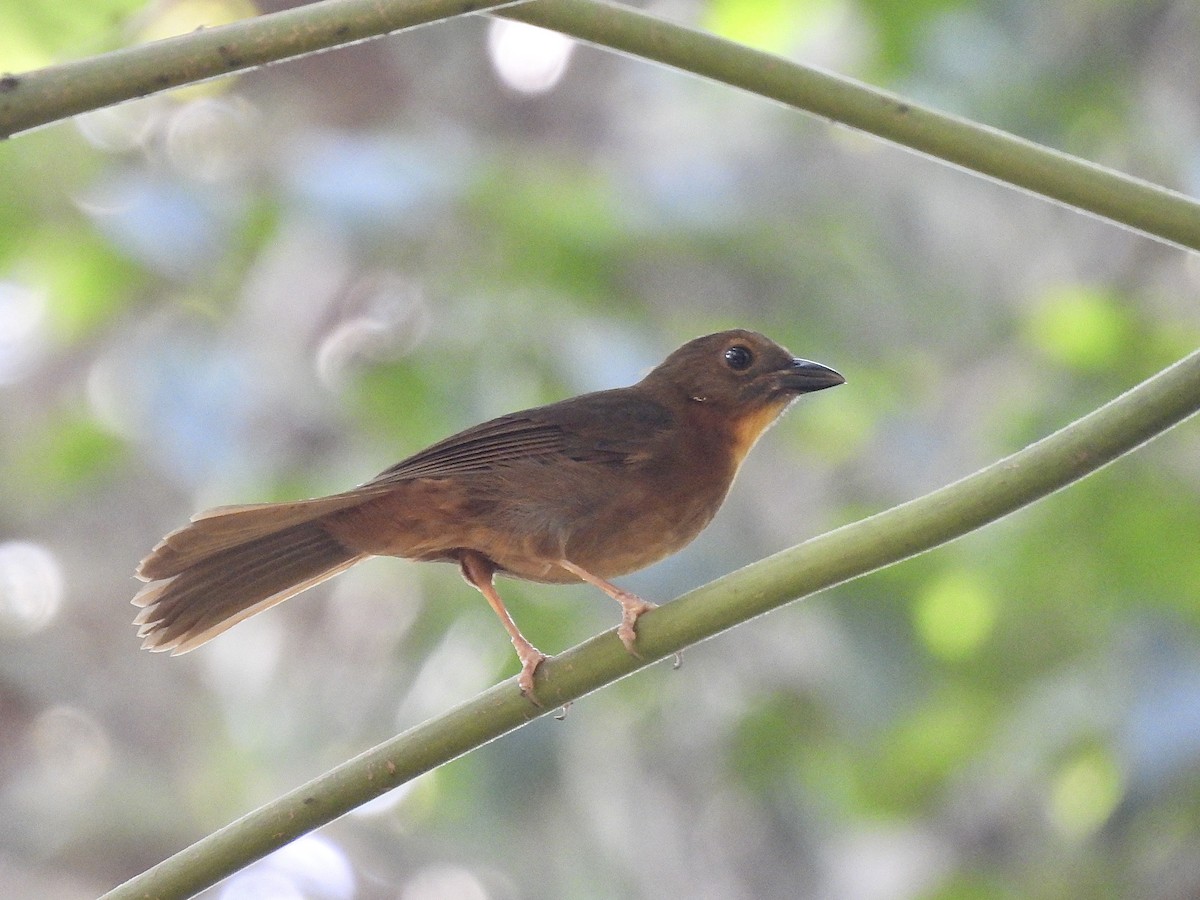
(642,513)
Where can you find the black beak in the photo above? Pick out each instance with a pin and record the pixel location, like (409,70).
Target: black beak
(804,376)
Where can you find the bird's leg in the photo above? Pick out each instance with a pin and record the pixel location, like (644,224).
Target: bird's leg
(479,570)
(632,606)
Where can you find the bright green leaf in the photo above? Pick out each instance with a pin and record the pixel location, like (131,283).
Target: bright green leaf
(955,614)
(770,25)
(33,34)
(1079,326)
(1085,792)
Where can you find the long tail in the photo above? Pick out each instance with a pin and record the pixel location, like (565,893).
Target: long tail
(232,562)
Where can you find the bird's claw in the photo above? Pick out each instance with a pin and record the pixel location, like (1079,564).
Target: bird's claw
(529,664)
(633,608)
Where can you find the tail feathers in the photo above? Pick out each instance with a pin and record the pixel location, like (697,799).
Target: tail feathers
(228,527)
(202,584)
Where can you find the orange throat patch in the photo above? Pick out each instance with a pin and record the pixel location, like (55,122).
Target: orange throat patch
(748,428)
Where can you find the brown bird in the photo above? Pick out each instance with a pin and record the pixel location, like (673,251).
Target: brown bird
(585,489)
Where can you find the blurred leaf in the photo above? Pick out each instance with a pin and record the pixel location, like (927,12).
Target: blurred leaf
(1085,792)
(167,19)
(773,737)
(955,613)
(770,25)
(35,34)
(975,885)
(26,165)
(620,209)
(86,281)
(834,775)
(838,431)
(929,744)
(554,226)
(69,451)
(400,402)
(1118,541)
(901,29)
(1080,327)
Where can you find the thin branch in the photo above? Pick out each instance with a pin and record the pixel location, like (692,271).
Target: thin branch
(853,550)
(58,92)
(47,95)
(1139,205)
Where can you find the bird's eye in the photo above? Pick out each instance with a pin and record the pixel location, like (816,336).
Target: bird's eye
(738,358)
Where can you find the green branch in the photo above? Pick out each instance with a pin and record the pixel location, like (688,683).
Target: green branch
(58,92)
(41,97)
(1136,204)
(853,550)
(48,95)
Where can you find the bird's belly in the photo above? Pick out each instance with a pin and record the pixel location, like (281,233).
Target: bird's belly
(621,534)
(617,526)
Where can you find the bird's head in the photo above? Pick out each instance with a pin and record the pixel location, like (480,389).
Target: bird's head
(739,377)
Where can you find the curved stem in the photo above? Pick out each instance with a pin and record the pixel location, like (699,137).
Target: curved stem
(1128,201)
(848,552)
(38,98)
(57,92)
(50,94)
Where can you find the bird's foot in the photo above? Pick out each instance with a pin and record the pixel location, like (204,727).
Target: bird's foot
(633,608)
(531,657)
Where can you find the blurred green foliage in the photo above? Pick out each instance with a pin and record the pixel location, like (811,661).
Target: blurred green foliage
(281,288)
(36,34)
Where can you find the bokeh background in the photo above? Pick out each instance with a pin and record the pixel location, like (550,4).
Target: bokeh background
(277,285)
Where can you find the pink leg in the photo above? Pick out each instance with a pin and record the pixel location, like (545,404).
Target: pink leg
(632,606)
(478,570)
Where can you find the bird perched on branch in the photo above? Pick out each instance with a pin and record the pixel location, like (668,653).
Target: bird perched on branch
(586,489)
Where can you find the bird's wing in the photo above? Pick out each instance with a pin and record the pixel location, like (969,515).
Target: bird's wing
(500,440)
(610,427)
